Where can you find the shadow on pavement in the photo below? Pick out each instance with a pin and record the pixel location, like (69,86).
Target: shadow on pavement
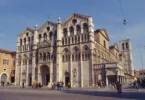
(126,95)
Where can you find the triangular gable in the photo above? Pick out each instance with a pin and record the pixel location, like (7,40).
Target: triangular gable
(103,32)
(116,46)
(45,43)
(47,23)
(27,29)
(74,15)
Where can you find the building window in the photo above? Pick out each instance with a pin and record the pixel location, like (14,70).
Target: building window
(14,62)
(127,47)
(123,46)
(71,29)
(5,62)
(13,72)
(104,44)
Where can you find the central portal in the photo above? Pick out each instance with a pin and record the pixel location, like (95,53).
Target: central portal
(45,75)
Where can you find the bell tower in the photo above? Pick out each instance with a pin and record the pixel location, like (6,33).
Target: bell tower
(126,48)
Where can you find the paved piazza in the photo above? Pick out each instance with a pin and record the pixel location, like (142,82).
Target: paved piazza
(18,93)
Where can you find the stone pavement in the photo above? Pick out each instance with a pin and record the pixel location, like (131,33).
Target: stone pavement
(18,93)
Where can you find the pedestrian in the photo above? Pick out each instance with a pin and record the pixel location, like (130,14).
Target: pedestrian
(23,84)
(68,85)
(119,87)
(136,85)
(60,85)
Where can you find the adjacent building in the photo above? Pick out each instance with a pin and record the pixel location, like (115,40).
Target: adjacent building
(70,51)
(7,65)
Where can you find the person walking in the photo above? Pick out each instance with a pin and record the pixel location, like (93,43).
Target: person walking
(119,87)
(136,85)
(23,84)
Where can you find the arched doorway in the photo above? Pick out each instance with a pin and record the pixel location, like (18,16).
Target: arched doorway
(4,77)
(45,75)
(67,78)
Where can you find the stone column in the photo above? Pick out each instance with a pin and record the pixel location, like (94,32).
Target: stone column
(39,75)
(82,80)
(27,73)
(51,73)
(106,81)
(106,77)
(71,71)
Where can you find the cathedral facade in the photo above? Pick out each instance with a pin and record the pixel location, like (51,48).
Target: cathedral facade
(70,52)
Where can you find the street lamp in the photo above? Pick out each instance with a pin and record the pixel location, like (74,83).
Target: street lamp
(139,48)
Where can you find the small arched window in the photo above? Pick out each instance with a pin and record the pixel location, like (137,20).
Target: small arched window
(44,56)
(20,42)
(65,32)
(104,44)
(40,56)
(39,37)
(78,29)
(71,29)
(85,27)
(123,46)
(45,36)
(50,35)
(24,40)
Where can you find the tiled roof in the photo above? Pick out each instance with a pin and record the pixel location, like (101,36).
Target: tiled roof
(7,51)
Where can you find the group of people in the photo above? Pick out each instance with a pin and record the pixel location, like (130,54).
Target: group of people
(134,84)
(101,84)
(36,85)
(59,85)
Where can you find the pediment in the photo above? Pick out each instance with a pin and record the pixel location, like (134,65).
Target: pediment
(79,17)
(45,43)
(50,24)
(27,29)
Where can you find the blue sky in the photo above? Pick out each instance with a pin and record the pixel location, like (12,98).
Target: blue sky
(15,15)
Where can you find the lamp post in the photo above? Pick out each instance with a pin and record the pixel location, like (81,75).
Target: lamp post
(139,48)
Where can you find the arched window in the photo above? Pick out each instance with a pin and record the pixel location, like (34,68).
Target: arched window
(123,46)
(78,29)
(44,56)
(104,44)
(50,35)
(65,32)
(86,53)
(127,46)
(45,36)
(85,27)
(72,40)
(72,57)
(25,41)
(40,56)
(62,41)
(20,42)
(39,37)
(25,60)
(71,29)
(19,60)
(28,39)
(48,55)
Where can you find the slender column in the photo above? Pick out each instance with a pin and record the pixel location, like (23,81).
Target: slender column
(39,75)
(71,71)
(51,73)
(82,83)
(27,73)
(106,77)
(106,81)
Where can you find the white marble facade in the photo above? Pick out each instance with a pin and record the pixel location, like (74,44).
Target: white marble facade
(62,51)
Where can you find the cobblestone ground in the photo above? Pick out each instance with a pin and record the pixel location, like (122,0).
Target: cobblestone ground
(18,93)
